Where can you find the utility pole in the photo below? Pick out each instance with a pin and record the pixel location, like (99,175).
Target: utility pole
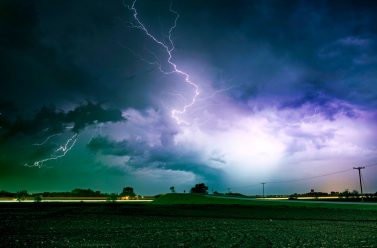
(263,188)
(361,185)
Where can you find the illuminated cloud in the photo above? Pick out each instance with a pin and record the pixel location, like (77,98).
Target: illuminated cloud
(287,90)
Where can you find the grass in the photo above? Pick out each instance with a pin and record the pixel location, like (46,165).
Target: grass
(186,220)
(199,222)
(191,199)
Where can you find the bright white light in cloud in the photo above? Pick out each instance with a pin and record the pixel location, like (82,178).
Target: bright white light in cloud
(245,147)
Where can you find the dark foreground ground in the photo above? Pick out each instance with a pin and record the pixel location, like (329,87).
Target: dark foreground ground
(149,225)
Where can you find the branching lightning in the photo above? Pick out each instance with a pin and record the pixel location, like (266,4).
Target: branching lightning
(217,92)
(59,153)
(47,139)
(169,48)
(176,113)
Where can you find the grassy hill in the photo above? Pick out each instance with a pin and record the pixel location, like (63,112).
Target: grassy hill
(168,199)
(196,199)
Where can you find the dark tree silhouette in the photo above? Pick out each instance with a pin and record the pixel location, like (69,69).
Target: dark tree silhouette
(21,195)
(7,194)
(346,193)
(37,198)
(128,191)
(112,198)
(355,193)
(172,189)
(85,192)
(199,188)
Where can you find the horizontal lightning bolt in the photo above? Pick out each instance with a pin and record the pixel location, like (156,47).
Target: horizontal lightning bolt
(47,139)
(64,149)
(175,113)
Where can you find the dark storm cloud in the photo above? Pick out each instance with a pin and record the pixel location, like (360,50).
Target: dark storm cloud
(166,157)
(30,69)
(90,113)
(287,55)
(319,103)
(278,49)
(65,52)
(49,120)
(106,146)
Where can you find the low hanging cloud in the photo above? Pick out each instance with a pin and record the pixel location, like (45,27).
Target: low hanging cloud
(243,147)
(49,131)
(140,156)
(105,146)
(321,104)
(90,114)
(49,120)
(152,149)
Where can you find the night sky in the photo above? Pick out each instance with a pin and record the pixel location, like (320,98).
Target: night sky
(287,90)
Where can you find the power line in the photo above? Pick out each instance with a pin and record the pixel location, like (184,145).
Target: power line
(248,186)
(305,178)
(312,177)
(318,176)
(371,165)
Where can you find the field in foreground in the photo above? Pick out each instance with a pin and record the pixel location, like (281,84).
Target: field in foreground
(189,225)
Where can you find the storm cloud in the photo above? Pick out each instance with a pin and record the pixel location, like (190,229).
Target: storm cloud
(284,86)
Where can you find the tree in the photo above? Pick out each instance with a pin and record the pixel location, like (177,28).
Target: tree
(172,189)
(21,195)
(199,188)
(37,198)
(355,193)
(85,192)
(346,193)
(7,194)
(128,191)
(112,198)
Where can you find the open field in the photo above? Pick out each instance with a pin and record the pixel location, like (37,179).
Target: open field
(199,199)
(164,224)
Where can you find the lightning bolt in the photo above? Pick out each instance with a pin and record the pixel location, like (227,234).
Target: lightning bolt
(47,139)
(216,92)
(169,48)
(59,153)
